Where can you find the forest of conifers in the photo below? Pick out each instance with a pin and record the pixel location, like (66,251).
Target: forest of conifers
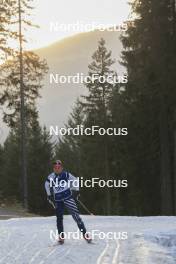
(145,105)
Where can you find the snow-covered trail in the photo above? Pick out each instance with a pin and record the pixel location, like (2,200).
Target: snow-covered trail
(151,240)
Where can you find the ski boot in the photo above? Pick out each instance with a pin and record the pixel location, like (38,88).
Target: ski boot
(60,241)
(87,238)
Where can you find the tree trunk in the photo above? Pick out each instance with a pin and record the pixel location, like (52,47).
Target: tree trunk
(165,161)
(23,120)
(107,177)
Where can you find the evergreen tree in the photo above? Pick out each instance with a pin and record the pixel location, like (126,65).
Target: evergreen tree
(10,169)
(69,146)
(40,154)
(150,101)
(6,13)
(79,152)
(97,110)
(21,75)
(34,70)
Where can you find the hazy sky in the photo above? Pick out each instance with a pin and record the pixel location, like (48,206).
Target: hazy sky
(72,11)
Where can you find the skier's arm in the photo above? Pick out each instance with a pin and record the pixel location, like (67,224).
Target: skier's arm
(74,182)
(74,186)
(48,191)
(47,187)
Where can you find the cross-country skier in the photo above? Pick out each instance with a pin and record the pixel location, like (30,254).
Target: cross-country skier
(61,192)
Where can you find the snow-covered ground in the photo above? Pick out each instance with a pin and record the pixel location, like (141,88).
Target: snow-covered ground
(150,240)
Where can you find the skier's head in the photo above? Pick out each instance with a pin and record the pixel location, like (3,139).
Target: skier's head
(57,166)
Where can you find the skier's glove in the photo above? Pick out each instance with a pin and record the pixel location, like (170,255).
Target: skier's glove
(50,199)
(75,195)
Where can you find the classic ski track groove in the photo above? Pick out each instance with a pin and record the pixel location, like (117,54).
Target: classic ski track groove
(116,253)
(26,241)
(103,253)
(102,259)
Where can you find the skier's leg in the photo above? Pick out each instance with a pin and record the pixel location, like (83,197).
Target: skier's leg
(73,210)
(59,215)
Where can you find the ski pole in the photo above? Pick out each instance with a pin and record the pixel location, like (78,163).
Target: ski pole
(81,203)
(53,205)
